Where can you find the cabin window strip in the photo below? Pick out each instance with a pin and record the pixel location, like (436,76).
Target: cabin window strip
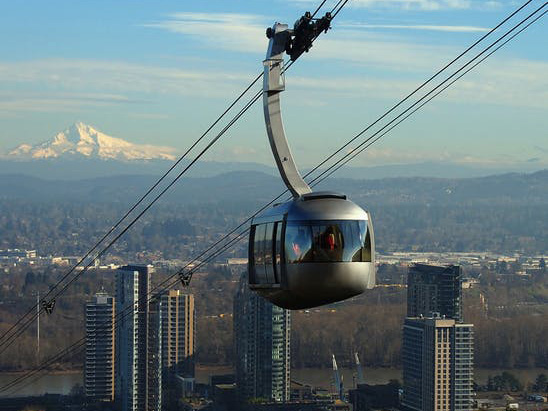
(325,241)
(265,253)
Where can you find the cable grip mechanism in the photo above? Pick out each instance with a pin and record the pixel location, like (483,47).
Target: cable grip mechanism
(305,31)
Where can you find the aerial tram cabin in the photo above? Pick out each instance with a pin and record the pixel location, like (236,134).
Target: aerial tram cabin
(317,248)
(312,251)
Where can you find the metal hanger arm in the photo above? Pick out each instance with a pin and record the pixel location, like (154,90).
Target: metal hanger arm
(273,85)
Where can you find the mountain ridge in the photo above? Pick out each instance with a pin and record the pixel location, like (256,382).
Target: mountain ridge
(252,187)
(84,141)
(82,151)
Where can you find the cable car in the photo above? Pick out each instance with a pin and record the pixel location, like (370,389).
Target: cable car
(317,248)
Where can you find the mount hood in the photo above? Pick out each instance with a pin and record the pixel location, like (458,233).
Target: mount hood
(83,141)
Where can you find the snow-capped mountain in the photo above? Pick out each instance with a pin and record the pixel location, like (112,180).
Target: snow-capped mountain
(82,140)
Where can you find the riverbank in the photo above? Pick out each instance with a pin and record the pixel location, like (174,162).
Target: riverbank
(61,382)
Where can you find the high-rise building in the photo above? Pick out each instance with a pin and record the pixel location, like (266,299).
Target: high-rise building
(154,356)
(99,362)
(262,342)
(137,355)
(434,289)
(178,319)
(178,332)
(438,364)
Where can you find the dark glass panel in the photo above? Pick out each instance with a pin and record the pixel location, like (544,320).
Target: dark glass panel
(327,241)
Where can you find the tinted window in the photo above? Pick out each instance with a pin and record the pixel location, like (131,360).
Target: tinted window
(269,266)
(258,254)
(327,241)
(298,243)
(277,250)
(265,253)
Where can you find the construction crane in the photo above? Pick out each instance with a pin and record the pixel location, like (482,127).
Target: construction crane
(338,380)
(359,370)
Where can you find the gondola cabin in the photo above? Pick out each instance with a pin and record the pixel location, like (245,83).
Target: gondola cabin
(313,250)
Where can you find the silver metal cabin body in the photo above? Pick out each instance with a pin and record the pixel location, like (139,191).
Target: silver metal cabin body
(319,247)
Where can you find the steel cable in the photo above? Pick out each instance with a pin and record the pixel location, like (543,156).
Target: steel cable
(10,339)
(351,152)
(338,164)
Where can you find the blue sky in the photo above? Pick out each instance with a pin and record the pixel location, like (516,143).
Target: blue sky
(160,72)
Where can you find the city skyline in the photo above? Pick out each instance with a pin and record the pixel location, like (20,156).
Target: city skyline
(154,75)
(257,317)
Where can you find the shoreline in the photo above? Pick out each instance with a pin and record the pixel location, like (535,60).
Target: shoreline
(230,368)
(62,381)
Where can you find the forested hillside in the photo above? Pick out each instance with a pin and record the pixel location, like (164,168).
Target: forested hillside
(504,213)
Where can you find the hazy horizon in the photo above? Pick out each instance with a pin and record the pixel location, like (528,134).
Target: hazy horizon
(156,75)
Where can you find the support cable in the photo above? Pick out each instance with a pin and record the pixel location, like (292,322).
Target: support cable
(339,9)
(318,8)
(435,75)
(333,169)
(119,222)
(330,170)
(354,154)
(8,340)
(68,350)
(336,166)
(71,350)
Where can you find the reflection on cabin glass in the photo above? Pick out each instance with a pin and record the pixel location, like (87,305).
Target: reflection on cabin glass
(306,242)
(327,241)
(266,242)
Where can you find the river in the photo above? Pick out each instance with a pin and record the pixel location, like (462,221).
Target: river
(61,383)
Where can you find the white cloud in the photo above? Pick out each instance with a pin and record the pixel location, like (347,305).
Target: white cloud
(65,84)
(111,75)
(149,116)
(241,151)
(510,82)
(227,31)
(517,83)
(11,102)
(451,29)
(246,33)
(396,156)
(428,5)
(355,60)
(414,4)
(398,56)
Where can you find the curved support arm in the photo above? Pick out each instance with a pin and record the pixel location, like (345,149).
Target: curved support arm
(273,85)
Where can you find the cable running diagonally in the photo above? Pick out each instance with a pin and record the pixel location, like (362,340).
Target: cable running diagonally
(355,153)
(71,350)
(11,338)
(111,230)
(318,8)
(9,342)
(125,312)
(351,152)
(239,237)
(411,113)
(420,87)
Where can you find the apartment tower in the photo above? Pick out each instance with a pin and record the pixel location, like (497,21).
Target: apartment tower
(99,362)
(262,342)
(137,344)
(178,319)
(434,289)
(438,364)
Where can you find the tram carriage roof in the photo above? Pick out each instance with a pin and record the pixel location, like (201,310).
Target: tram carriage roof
(321,205)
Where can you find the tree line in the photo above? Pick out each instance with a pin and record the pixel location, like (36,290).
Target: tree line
(506,335)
